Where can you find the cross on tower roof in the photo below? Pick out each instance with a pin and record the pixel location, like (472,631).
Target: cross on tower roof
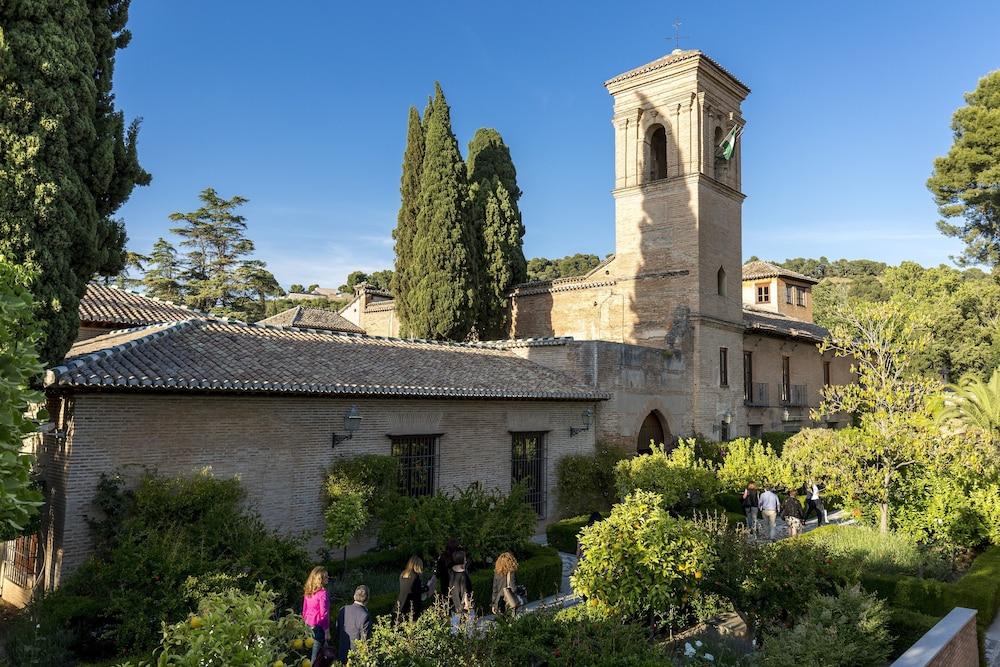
(677,35)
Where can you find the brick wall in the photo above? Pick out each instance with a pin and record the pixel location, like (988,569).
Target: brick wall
(950,643)
(280,447)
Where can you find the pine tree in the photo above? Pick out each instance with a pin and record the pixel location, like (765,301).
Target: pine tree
(442,298)
(162,278)
(69,161)
(216,237)
(257,284)
(499,231)
(406,220)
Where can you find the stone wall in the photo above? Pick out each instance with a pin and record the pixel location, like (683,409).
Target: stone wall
(950,643)
(279,447)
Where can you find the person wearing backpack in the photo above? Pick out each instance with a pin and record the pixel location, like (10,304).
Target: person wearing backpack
(459,590)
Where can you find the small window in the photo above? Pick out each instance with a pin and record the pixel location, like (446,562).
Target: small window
(800,296)
(658,153)
(763,294)
(788,294)
(723,431)
(527,465)
(786,379)
(416,457)
(720,280)
(826,373)
(723,367)
(756,430)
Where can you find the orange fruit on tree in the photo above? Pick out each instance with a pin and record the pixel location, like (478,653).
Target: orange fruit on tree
(196,622)
(297,644)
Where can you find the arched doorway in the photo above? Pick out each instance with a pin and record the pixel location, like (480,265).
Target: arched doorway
(651,431)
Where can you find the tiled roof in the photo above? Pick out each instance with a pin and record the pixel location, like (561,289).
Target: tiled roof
(773,324)
(670,59)
(761,269)
(105,305)
(207,355)
(312,318)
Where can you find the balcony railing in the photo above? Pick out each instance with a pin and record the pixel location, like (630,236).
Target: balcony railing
(757,395)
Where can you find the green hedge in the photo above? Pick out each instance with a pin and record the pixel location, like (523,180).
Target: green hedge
(562,534)
(388,559)
(776,439)
(979,589)
(906,627)
(539,571)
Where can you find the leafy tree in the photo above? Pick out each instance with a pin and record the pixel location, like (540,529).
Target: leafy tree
(215,236)
(381,279)
(19,336)
(641,561)
(750,460)
(275,306)
(162,279)
(312,288)
(974,404)
(678,480)
(403,279)
(441,302)
(499,230)
(346,512)
(257,285)
(353,278)
(297,288)
(69,160)
(964,182)
(887,400)
(124,280)
(541,268)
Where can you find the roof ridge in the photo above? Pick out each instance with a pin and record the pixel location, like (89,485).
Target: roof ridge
(53,374)
(167,302)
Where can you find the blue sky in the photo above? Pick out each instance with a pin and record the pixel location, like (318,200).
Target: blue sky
(303,109)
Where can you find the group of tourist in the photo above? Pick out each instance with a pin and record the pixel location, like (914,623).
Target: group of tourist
(770,506)
(450,581)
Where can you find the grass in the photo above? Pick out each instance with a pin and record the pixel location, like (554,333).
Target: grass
(864,550)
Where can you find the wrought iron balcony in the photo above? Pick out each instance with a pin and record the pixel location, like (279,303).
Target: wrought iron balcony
(756,396)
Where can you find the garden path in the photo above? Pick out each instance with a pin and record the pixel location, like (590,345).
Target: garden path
(992,649)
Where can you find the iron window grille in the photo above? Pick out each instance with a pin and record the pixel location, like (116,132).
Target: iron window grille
(417,463)
(22,557)
(723,367)
(527,466)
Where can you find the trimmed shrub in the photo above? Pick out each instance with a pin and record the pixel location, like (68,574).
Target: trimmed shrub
(585,483)
(776,440)
(677,478)
(640,561)
(848,629)
(149,542)
(863,550)
(748,460)
(906,627)
(563,534)
(486,523)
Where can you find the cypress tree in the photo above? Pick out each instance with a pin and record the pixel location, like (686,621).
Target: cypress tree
(498,228)
(442,298)
(69,162)
(406,220)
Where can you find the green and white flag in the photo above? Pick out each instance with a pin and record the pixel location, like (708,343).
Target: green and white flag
(728,144)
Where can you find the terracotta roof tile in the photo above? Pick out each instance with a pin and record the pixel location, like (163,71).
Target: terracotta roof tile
(218,355)
(761,269)
(312,318)
(105,305)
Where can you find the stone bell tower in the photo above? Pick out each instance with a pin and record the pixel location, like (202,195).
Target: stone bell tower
(677,200)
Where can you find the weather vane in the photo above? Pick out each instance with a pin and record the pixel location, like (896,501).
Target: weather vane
(677,35)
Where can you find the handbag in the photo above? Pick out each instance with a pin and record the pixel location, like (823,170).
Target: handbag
(513,597)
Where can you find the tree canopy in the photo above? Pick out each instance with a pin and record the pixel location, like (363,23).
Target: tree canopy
(966,181)
(542,268)
(70,160)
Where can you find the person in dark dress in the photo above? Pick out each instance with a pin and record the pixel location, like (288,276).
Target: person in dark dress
(459,590)
(751,505)
(444,563)
(410,603)
(353,623)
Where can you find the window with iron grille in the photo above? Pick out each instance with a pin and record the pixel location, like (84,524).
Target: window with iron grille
(800,296)
(22,557)
(527,465)
(416,457)
(723,367)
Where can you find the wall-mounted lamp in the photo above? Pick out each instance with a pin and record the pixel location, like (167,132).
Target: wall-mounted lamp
(786,415)
(587,414)
(352,422)
(727,418)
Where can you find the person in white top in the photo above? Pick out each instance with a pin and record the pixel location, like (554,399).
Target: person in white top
(815,503)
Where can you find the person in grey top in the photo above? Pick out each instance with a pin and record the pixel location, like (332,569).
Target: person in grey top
(769,506)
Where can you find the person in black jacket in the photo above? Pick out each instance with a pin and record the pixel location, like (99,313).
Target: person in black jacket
(353,623)
(751,505)
(410,603)
(459,590)
(444,563)
(791,512)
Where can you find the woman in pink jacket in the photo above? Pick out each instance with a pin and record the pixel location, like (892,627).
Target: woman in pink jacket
(316,608)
